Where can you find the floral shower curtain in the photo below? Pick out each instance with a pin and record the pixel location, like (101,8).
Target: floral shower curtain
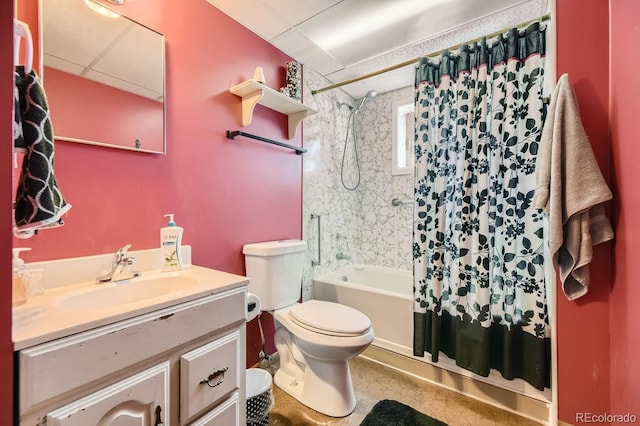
(479,287)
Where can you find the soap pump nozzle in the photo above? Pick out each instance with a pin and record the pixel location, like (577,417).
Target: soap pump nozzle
(18,296)
(18,263)
(171,221)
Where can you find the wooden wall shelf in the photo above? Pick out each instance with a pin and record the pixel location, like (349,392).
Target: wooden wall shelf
(254,93)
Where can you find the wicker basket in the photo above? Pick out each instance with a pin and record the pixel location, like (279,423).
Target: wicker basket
(259,397)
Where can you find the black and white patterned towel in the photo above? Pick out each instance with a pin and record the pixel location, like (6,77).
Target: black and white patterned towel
(39,202)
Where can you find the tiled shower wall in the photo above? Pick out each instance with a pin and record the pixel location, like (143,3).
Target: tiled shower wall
(323,195)
(361,224)
(384,235)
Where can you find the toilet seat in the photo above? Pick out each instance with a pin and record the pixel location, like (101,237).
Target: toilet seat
(329,318)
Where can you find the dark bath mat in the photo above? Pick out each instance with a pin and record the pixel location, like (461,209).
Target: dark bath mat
(388,412)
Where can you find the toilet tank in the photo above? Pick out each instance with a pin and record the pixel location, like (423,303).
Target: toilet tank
(274,269)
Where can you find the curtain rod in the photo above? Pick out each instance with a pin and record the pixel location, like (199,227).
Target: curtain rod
(431,55)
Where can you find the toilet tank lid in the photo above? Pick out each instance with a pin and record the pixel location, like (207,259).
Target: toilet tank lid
(273,248)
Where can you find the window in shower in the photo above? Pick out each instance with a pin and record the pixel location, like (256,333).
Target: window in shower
(402,154)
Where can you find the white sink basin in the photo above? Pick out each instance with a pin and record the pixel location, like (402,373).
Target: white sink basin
(72,302)
(102,296)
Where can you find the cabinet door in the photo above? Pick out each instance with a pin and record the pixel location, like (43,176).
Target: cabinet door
(140,400)
(225,414)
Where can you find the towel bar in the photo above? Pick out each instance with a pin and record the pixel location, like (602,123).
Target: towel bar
(233,134)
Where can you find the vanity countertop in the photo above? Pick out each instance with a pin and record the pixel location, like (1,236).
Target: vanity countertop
(42,318)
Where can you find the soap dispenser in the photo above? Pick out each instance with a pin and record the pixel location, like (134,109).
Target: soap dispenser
(18,284)
(170,245)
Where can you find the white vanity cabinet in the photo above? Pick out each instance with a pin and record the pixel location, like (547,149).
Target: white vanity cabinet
(179,365)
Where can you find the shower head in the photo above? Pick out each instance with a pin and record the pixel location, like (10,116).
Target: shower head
(369,95)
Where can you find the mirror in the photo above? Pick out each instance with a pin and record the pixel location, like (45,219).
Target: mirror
(104,77)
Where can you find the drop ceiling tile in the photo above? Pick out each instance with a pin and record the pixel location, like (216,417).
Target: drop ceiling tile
(357,30)
(254,15)
(296,45)
(297,11)
(357,19)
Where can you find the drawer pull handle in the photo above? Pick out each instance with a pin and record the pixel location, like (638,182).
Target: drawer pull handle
(217,377)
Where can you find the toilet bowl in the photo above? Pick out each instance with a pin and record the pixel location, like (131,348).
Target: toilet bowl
(314,339)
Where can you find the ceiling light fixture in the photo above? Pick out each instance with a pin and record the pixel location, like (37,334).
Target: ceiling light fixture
(96,7)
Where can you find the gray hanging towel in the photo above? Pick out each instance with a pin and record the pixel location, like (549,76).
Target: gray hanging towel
(39,202)
(571,189)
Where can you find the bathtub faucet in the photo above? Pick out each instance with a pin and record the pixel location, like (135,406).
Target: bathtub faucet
(342,256)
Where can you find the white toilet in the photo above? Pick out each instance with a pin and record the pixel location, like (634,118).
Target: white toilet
(315,339)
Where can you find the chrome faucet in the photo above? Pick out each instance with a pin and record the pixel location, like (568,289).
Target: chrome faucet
(120,268)
(342,256)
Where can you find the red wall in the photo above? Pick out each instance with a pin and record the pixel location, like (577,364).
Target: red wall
(6,198)
(625,137)
(224,193)
(583,325)
(85,109)
(584,345)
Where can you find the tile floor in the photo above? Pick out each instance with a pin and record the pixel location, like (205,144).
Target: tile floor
(373,382)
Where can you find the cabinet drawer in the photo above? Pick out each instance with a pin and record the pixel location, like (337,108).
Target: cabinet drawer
(225,414)
(208,374)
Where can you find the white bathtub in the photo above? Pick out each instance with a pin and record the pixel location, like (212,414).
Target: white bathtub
(385,295)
